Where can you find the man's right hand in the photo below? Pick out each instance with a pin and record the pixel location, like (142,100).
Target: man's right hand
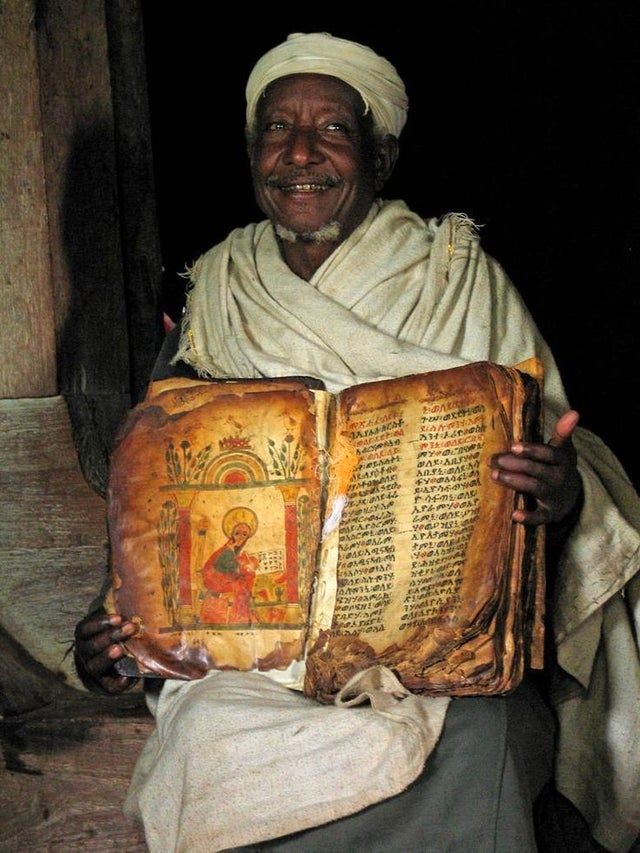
(97,648)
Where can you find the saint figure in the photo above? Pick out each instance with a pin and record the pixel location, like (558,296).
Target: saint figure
(229,572)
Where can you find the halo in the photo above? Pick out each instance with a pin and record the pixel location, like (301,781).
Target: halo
(239,515)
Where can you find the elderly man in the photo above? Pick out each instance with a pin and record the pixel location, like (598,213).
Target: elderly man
(342,287)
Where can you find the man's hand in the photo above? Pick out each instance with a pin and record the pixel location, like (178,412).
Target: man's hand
(97,648)
(546,472)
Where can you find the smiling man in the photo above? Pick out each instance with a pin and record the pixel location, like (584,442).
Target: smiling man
(316,165)
(342,287)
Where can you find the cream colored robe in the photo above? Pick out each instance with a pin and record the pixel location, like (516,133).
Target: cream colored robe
(402,296)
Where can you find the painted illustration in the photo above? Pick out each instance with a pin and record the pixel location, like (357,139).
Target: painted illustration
(230,572)
(231,532)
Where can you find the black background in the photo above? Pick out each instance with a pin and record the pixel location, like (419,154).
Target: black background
(522,115)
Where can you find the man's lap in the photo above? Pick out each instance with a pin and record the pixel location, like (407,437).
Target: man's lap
(475,793)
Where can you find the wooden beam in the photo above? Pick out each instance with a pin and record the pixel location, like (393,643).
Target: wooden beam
(53,540)
(27,345)
(65,775)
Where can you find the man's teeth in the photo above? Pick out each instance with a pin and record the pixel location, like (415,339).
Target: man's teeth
(303,188)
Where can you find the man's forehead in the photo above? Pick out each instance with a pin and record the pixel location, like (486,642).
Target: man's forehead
(319,87)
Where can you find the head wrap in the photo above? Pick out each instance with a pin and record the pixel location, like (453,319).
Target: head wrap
(371,75)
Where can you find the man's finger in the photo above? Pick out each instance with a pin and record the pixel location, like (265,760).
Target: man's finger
(564,428)
(100,664)
(117,683)
(531,516)
(97,623)
(523,483)
(546,471)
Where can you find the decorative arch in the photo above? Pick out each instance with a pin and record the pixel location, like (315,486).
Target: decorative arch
(234,468)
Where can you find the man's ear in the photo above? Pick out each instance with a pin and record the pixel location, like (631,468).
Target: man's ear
(386,155)
(250,140)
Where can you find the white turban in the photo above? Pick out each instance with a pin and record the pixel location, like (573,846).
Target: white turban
(371,75)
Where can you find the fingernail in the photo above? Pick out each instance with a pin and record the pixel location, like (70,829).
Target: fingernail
(495,475)
(115,619)
(116,652)
(517,448)
(518,515)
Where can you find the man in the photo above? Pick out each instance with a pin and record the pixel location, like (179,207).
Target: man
(342,287)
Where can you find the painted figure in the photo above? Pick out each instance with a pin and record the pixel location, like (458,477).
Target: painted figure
(229,573)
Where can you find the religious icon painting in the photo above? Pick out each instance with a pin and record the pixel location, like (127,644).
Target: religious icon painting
(214,515)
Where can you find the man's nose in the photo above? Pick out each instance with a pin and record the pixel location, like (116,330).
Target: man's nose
(302,146)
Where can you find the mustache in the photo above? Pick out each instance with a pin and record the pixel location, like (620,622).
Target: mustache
(291,178)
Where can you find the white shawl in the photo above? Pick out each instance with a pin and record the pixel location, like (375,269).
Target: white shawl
(402,296)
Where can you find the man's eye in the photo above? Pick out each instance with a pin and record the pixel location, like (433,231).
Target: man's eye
(275,126)
(337,127)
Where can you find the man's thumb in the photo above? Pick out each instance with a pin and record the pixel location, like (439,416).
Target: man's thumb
(564,428)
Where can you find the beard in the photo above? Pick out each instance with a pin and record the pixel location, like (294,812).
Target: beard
(329,233)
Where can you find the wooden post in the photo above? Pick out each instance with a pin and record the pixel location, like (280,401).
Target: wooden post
(27,343)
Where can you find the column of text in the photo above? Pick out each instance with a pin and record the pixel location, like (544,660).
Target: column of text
(445,508)
(367,551)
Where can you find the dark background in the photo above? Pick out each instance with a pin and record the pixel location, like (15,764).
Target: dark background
(524,116)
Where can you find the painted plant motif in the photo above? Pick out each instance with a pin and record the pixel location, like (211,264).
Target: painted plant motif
(185,468)
(285,460)
(168,554)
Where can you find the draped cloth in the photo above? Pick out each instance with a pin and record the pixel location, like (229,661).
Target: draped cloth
(403,296)
(237,758)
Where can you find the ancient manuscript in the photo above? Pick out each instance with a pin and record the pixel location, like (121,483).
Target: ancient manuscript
(258,524)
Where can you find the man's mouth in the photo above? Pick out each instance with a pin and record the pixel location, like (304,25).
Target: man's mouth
(303,184)
(303,188)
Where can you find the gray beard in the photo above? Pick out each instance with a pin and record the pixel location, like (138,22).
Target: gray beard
(329,233)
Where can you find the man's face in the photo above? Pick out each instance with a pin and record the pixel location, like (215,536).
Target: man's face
(312,157)
(240,534)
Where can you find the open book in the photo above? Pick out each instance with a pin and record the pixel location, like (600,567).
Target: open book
(255,524)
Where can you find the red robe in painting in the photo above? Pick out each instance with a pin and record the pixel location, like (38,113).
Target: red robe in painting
(228,574)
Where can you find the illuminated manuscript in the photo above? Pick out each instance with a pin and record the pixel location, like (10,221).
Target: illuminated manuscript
(259,523)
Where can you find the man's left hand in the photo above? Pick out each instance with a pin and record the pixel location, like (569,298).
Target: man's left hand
(546,472)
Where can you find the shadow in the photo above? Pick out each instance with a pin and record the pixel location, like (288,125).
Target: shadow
(93,353)
(67,722)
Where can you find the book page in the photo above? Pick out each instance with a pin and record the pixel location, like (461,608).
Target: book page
(419,564)
(214,519)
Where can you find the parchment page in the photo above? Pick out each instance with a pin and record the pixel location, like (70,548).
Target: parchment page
(214,518)
(423,551)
